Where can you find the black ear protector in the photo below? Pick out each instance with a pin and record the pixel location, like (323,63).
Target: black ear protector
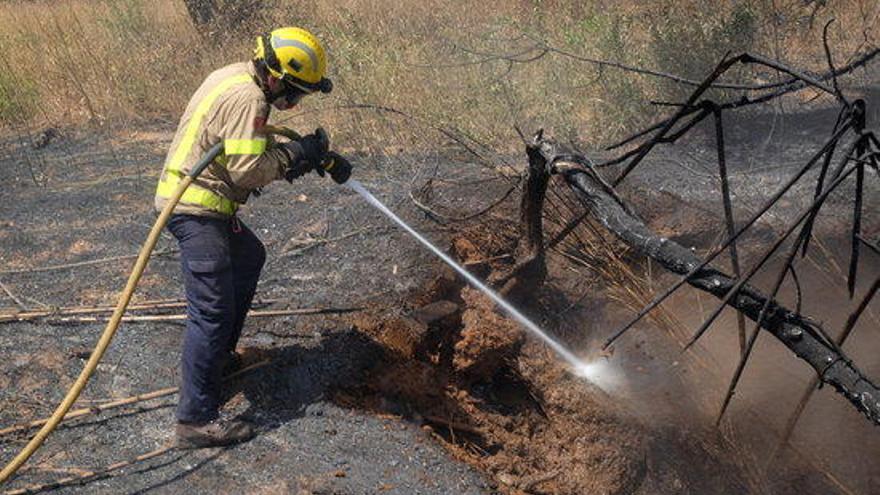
(324,85)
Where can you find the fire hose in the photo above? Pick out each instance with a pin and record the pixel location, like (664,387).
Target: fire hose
(113,324)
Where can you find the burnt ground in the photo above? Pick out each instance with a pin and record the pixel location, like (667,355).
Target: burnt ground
(97,206)
(337,412)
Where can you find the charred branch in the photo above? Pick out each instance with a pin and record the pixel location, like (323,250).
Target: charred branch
(861,151)
(814,383)
(746,225)
(799,80)
(728,217)
(529,269)
(807,231)
(795,331)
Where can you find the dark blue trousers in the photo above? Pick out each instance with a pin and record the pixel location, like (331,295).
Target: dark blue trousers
(221,262)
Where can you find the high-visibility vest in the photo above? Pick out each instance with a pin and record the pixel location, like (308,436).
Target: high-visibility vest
(195,194)
(228,106)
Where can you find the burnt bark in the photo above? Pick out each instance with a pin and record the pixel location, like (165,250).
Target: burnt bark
(529,268)
(795,331)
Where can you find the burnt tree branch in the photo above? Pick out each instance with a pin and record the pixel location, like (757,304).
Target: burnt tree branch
(529,269)
(795,331)
(798,81)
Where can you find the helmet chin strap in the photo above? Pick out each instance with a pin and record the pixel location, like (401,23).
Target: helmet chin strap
(262,79)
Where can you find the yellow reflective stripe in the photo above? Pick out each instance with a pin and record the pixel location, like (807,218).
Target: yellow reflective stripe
(244,146)
(196,195)
(195,121)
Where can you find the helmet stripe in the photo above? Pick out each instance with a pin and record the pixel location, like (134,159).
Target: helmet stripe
(279,42)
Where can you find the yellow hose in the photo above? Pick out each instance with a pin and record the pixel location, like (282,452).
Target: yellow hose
(112,325)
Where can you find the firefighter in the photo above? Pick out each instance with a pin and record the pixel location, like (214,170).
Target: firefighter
(221,258)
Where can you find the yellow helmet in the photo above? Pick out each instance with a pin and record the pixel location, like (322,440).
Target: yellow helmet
(295,56)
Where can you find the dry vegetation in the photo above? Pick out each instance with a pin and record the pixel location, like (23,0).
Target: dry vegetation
(117,63)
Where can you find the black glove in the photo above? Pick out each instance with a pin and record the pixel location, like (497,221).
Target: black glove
(296,165)
(306,154)
(337,166)
(315,147)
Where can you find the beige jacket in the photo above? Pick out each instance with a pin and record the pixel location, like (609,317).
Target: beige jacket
(228,107)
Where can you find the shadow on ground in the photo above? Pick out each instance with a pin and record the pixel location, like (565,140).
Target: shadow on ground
(298,376)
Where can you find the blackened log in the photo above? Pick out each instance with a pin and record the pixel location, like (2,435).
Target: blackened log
(792,329)
(529,269)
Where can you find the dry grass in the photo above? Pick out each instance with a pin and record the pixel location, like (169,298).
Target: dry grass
(121,62)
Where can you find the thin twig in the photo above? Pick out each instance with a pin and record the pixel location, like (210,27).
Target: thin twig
(81,263)
(9,293)
(831,61)
(87,411)
(86,310)
(446,218)
(89,475)
(874,246)
(181,317)
(674,77)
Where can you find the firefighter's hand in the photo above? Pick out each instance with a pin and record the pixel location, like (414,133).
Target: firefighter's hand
(297,165)
(315,147)
(337,166)
(306,154)
(296,170)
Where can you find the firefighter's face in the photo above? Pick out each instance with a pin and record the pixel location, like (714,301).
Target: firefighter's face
(287,96)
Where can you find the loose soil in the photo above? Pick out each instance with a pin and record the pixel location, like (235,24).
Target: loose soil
(523,417)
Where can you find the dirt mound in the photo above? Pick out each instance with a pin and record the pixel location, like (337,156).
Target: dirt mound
(503,404)
(529,424)
(486,339)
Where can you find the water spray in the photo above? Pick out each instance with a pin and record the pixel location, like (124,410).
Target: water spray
(596,372)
